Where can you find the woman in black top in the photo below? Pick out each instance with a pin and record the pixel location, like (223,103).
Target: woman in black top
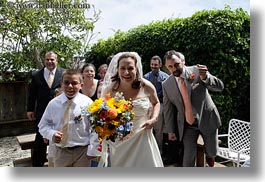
(90,87)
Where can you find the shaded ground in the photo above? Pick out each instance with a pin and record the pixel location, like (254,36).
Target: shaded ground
(10,150)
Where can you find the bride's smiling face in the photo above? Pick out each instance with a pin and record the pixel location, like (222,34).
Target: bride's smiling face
(127,69)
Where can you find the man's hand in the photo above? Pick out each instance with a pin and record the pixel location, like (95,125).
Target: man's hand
(45,140)
(203,70)
(31,116)
(172,136)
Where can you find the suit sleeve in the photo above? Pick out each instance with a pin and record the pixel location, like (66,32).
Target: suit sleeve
(213,83)
(168,112)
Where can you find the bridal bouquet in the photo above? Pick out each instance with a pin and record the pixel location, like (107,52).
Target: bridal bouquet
(111,117)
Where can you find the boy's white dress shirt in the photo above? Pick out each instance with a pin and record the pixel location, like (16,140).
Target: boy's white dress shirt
(52,120)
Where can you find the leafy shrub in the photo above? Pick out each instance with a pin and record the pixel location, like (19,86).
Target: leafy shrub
(219,39)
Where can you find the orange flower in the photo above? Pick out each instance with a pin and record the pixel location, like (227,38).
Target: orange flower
(107,96)
(126,106)
(99,130)
(192,76)
(112,113)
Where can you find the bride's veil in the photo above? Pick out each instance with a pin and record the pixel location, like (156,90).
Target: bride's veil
(112,68)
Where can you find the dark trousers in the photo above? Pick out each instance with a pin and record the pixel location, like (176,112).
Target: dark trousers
(172,151)
(39,151)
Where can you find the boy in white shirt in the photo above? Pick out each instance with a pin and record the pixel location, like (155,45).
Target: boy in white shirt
(70,132)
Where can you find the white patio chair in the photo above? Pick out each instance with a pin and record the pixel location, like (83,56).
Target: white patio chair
(238,143)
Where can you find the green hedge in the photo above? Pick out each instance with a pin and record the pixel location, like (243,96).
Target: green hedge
(219,39)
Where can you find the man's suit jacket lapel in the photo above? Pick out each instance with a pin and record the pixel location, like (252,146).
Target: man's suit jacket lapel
(191,83)
(57,78)
(175,91)
(42,79)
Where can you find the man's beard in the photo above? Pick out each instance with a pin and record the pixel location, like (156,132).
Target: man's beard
(177,73)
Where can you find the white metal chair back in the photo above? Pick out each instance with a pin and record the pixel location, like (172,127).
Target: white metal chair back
(238,142)
(239,136)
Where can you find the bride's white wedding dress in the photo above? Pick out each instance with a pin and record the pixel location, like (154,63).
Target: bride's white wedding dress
(141,149)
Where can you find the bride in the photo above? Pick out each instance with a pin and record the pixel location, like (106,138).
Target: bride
(140,149)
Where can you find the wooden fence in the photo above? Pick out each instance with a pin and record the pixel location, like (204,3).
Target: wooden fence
(13,102)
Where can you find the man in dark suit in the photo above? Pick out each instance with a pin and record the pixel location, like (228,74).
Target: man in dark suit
(42,90)
(187,91)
